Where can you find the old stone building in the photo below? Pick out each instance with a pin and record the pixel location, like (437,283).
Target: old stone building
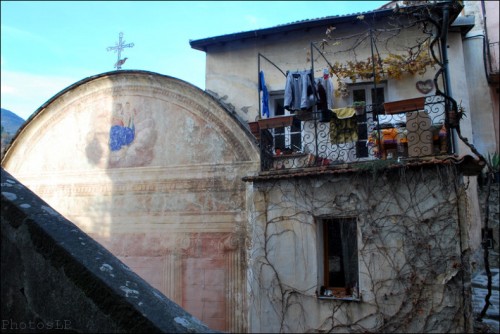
(345,214)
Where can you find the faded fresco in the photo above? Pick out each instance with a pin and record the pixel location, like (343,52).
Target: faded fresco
(131,137)
(151,167)
(130,140)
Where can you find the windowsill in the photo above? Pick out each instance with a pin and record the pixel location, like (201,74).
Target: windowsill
(289,155)
(345,294)
(352,299)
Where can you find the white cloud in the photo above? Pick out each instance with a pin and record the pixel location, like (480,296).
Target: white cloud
(23,93)
(251,19)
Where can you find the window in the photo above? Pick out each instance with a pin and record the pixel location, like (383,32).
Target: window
(287,138)
(371,96)
(338,255)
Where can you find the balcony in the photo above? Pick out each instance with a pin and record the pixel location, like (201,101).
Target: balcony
(400,131)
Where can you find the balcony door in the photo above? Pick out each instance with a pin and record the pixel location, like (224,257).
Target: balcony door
(289,137)
(374,97)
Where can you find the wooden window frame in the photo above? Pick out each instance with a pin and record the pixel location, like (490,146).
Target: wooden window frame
(364,127)
(287,136)
(350,290)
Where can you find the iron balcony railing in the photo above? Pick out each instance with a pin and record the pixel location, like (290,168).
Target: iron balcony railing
(401,130)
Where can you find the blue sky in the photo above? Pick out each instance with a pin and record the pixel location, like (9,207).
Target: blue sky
(48,45)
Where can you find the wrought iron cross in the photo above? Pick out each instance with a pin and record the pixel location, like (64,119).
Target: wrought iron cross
(118,49)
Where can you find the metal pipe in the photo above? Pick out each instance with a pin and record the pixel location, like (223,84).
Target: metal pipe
(315,108)
(444,49)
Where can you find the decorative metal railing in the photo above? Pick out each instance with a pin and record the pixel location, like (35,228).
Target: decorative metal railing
(401,130)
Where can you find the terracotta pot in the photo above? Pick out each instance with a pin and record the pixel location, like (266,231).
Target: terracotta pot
(255,129)
(360,110)
(453,119)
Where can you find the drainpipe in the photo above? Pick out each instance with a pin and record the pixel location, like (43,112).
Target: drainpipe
(444,53)
(448,92)
(444,48)
(486,46)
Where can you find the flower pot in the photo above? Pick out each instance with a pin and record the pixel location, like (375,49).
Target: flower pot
(275,122)
(255,129)
(401,106)
(359,110)
(453,119)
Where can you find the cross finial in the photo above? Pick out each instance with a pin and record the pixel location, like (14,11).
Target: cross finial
(118,49)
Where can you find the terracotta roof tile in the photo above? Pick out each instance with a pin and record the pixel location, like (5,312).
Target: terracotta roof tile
(467,164)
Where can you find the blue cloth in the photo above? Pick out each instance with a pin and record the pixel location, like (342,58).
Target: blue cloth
(265,95)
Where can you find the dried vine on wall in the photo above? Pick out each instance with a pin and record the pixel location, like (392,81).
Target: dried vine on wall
(385,62)
(409,251)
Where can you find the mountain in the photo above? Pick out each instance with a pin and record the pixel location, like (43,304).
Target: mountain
(10,124)
(10,121)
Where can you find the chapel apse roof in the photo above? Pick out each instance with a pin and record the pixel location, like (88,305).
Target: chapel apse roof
(113,74)
(78,84)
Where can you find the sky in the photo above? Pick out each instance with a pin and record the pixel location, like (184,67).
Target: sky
(47,46)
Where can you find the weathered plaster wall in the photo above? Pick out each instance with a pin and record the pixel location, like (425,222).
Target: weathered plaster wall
(55,278)
(484,97)
(481,124)
(232,68)
(412,260)
(151,167)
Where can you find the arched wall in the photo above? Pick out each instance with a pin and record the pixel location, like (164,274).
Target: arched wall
(151,167)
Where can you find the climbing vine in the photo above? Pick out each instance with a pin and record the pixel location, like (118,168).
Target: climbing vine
(415,55)
(411,264)
(393,66)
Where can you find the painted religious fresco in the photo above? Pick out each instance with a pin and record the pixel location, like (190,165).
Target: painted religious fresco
(132,136)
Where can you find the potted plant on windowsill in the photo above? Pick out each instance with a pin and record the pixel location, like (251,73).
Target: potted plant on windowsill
(454,116)
(360,107)
(494,165)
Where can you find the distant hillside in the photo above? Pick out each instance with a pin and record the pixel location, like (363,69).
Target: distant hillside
(10,124)
(10,121)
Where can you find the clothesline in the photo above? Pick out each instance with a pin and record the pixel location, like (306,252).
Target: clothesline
(301,93)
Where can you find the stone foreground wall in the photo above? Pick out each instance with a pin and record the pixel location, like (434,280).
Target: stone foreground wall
(54,277)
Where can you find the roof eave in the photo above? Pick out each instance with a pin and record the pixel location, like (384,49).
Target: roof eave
(201,44)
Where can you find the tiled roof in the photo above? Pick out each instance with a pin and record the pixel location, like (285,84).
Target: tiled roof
(200,44)
(467,165)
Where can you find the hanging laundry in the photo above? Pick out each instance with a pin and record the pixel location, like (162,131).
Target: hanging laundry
(300,92)
(322,102)
(324,87)
(325,114)
(327,84)
(343,126)
(265,95)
